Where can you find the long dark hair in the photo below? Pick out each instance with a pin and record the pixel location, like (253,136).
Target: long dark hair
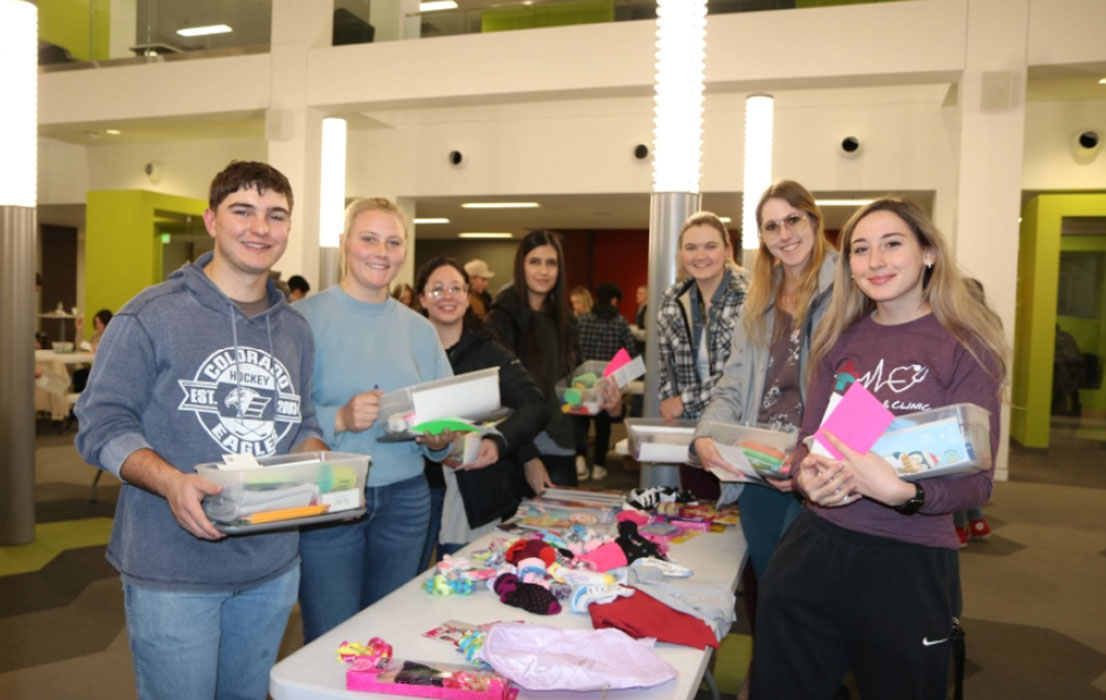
(556,303)
(470,319)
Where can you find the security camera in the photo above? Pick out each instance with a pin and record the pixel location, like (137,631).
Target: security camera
(1085,145)
(455,157)
(850,145)
(153,171)
(641,151)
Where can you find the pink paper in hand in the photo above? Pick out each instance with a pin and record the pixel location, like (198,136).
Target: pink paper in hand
(620,358)
(858,421)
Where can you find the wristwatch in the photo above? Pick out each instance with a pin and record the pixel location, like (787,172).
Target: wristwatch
(915,503)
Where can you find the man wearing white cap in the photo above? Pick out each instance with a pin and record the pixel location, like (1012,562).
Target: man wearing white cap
(479,274)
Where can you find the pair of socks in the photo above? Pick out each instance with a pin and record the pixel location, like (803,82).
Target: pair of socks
(528,596)
(634,545)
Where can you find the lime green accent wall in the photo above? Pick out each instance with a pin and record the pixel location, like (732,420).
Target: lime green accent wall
(122,248)
(1035,315)
(67,23)
(555,15)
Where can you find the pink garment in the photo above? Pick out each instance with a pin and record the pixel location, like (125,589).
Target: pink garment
(606,557)
(550,658)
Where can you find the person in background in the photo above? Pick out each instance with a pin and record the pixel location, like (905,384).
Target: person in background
(480,299)
(404,294)
(480,493)
(581,300)
(298,286)
(603,332)
(763,381)
(695,327)
(205,613)
(867,577)
(99,322)
(640,316)
(531,318)
(368,343)
(971,523)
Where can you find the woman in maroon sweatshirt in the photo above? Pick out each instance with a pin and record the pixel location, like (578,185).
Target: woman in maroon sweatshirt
(867,579)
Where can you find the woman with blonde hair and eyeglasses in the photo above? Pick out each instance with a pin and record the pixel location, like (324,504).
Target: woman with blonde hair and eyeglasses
(368,343)
(867,577)
(763,380)
(696,323)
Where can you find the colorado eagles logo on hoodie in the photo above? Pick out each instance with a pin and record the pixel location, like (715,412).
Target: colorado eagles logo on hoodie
(244,399)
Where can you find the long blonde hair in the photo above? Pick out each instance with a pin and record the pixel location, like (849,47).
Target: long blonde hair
(961,312)
(761,288)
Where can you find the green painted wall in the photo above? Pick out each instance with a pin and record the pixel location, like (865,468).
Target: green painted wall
(554,15)
(122,248)
(71,24)
(1035,316)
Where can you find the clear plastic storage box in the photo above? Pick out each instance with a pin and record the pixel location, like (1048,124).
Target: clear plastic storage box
(658,441)
(286,490)
(946,441)
(757,450)
(578,392)
(472,396)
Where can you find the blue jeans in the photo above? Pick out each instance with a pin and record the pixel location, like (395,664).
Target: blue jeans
(765,515)
(198,646)
(348,566)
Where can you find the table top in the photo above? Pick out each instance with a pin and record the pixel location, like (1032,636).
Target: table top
(313,672)
(66,358)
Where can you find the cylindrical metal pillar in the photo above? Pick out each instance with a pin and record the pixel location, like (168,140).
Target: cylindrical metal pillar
(667,213)
(329,261)
(17,357)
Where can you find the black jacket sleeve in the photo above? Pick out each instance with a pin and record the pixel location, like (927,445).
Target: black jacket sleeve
(518,391)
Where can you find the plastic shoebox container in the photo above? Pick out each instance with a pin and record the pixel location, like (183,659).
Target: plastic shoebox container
(756,450)
(658,441)
(429,680)
(472,396)
(283,483)
(577,398)
(947,441)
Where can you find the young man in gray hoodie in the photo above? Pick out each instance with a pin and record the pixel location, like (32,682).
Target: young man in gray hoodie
(209,362)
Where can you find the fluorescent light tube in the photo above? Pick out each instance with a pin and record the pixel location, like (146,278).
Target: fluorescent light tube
(205,31)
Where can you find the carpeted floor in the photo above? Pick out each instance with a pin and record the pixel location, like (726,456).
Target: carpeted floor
(1035,613)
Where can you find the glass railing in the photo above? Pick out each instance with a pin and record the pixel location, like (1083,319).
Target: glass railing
(82,33)
(79,33)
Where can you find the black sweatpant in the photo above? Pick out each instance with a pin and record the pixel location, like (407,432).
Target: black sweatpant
(833,600)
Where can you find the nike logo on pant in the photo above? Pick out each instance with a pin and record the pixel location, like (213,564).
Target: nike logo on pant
(926,641)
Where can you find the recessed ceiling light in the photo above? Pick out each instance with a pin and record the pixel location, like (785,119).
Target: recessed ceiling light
(204,31)
(1102,81)
(842,202)
(725,219)
(487,234)
(437,5)
(112,132)
(500,205)
(432,220)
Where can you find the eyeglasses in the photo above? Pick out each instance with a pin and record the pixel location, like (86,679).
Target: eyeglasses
(455,291)
(792,222)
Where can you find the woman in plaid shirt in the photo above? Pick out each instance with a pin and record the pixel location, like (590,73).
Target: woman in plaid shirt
(696,324)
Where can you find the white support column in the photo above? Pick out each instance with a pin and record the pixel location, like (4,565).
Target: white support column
(294,130)
(991,106)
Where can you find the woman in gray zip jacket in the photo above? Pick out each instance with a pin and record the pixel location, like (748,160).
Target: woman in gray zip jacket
(764,378)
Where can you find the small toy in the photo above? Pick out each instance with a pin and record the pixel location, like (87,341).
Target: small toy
(377,654)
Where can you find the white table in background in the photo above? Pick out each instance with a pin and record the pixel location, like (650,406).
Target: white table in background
(58,365)
(313,672)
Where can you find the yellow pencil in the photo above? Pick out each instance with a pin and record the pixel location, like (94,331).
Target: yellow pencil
(270,516)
